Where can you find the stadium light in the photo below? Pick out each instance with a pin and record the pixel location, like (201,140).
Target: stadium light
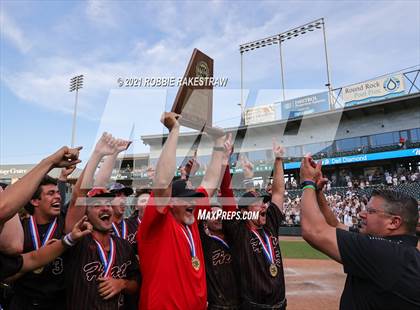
(76,83)
(279,39)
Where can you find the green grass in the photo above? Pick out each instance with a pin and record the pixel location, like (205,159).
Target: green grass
(300,249)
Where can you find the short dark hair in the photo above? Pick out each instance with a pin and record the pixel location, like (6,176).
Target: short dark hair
(401,204)
(46,180)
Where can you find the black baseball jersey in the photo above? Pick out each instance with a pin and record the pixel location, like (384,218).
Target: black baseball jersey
(222,287)
(382,273)
(84,267)
(131,225)
(9,265)
(252,268)
(45,285)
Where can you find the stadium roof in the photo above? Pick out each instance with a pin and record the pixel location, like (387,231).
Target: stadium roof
(361,110)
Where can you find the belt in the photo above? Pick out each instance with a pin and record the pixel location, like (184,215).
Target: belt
(249,305)
(220,307)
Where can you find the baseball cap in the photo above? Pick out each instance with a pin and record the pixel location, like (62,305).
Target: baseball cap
(120,188)
(250,197)
(179,189)
(99,192)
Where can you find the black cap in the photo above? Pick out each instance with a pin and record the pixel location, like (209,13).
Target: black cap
(120,188)
(179,189)
(250,197)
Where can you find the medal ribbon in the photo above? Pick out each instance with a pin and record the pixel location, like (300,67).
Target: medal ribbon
(220,240)
(107,262)
(33,229)
(188,235)
(123,228)
(267,249)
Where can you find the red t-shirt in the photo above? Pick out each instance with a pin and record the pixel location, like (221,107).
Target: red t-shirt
(169,280)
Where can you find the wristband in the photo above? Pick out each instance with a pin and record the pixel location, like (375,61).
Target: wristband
(307,182)
(309,186)
(68,241)
(218,148)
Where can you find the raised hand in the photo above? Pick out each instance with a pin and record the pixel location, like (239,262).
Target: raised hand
(247,167)
(278,150)
(228,145)
(309,170)
(81,229)
(150,172)
(192,166)
(170,120)
(106,145)
(65,172)
(65,157)
(121,145)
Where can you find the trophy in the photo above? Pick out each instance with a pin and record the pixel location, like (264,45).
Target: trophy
(194,100)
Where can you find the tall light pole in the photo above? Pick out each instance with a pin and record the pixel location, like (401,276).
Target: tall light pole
(279,39)
(76,83)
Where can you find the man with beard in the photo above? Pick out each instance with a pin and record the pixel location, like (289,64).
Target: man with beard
(120,227)
(255,247)
(171,256)
(381,261)
(101,268)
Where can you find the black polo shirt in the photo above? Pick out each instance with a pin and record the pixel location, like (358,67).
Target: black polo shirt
(382,273)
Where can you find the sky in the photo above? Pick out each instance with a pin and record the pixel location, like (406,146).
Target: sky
(45,43)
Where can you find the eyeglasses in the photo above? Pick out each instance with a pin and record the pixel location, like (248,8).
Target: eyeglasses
(370,210)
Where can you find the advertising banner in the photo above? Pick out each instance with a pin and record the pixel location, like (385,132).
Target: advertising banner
(305,105)
(373,90)
(260,114)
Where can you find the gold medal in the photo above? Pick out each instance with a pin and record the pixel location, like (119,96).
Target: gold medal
(273,270)
(39,270)
(195,262)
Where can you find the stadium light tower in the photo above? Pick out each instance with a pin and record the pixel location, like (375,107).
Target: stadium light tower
(279,39)
(76,83)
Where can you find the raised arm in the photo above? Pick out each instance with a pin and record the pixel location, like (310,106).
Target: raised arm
(105,171)
(228,198)
(62,182)
(315,229)
(326,211)
(15,196)
(213,173)
(105,146)
(248,170)
(18,194)
(166,165)
(277,196)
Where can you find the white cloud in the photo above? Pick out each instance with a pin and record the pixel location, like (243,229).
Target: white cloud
(185,28)
(13,33)
(101,13)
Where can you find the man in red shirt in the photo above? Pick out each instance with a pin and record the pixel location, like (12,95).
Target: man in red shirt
(170,251)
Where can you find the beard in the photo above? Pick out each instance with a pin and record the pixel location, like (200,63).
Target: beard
(189,220)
